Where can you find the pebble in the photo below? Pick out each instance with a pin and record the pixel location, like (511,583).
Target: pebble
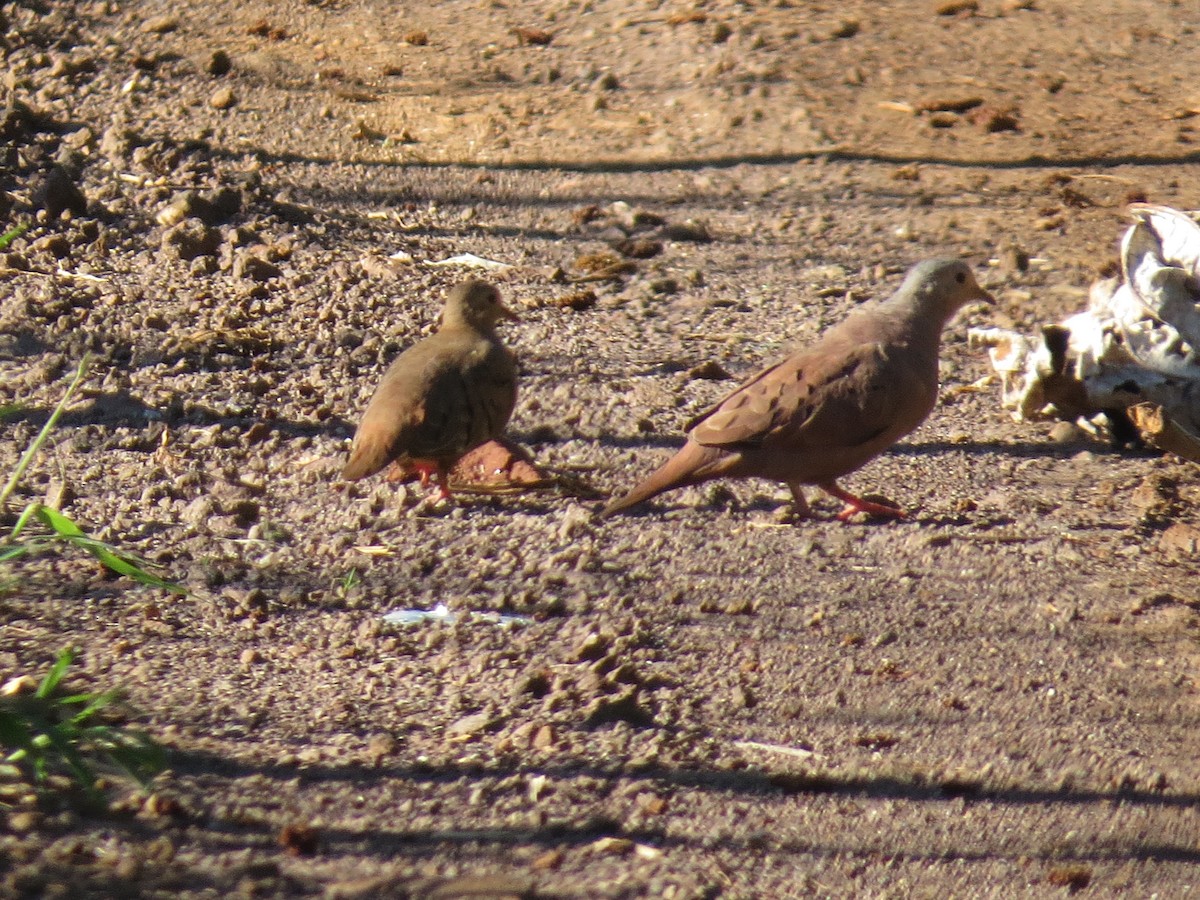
(160,25)
(222,98)
(219,63)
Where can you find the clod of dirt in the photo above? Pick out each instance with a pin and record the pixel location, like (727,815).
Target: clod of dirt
(994,118)
(535,37)
(956,7)
(190,239)
(638,248)
(300,840)
(625,707)
(58,193)
(218,63)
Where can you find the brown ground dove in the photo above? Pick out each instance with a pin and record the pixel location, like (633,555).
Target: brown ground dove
(445,395)
(830,408)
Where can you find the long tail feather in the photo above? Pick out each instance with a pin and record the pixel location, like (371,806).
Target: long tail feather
(684,468)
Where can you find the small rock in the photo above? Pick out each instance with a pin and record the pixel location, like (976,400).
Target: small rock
(949,104)
(24,821)
(623,708)
(607,82)
(198,513)
(219,63)
(710,370)
(593,647)
(58,192)
(1013,259)
(160,25)
(470,725)
(543,738)
(222,98)
(992,118)
(691,230)
(955,7)
(190,239)
(255,268)
(1180,539)
(638,248)
(245,513)
(381,745)
(847,28)
(1066,433)
(551,859)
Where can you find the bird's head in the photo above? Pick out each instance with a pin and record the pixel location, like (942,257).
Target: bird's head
(939,288)
(475,304)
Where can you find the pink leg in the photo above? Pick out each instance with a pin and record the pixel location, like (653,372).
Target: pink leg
(427,469)
(858,504)
(443,481)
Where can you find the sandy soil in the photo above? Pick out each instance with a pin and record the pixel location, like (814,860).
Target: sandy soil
(994,698)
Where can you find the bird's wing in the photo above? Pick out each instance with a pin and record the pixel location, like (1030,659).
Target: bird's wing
(828,396)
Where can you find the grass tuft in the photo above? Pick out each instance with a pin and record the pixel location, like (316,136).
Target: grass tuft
(60,527)
(46,731)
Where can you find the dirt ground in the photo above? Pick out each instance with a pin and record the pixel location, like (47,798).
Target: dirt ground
(996,697)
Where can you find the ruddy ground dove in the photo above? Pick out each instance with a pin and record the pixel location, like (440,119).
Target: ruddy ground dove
(445,395)
(830,408)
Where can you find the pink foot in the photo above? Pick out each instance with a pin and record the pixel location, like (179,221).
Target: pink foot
(856,505)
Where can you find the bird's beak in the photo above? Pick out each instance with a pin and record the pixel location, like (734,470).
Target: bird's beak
(507,313)
(986,297)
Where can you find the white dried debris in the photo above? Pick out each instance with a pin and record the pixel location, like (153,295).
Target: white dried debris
(1132,354)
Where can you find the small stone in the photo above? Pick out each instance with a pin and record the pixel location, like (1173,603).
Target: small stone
(551,859)
(1066,433)
(160,25)
(847,28)
(956,7)
(58,192)
(607,82)
(992,118)
(191,239)
(638,248)
(1180,539)
(24,821)
(470,725)
(691,230)
(198,513)
(255,268)
(709,370)
(222,98)
(381,745)
(219,63)
(543,738)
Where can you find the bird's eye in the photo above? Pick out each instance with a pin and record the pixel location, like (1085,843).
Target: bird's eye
(961,278)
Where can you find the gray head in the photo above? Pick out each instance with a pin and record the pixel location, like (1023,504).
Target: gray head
(475,304)
(938,288)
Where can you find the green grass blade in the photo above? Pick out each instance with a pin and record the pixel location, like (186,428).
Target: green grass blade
(123,564)
(14,552)
(11,235)
(32,450)
(55,676)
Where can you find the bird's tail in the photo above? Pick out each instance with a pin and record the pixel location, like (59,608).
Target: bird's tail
(688,466)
